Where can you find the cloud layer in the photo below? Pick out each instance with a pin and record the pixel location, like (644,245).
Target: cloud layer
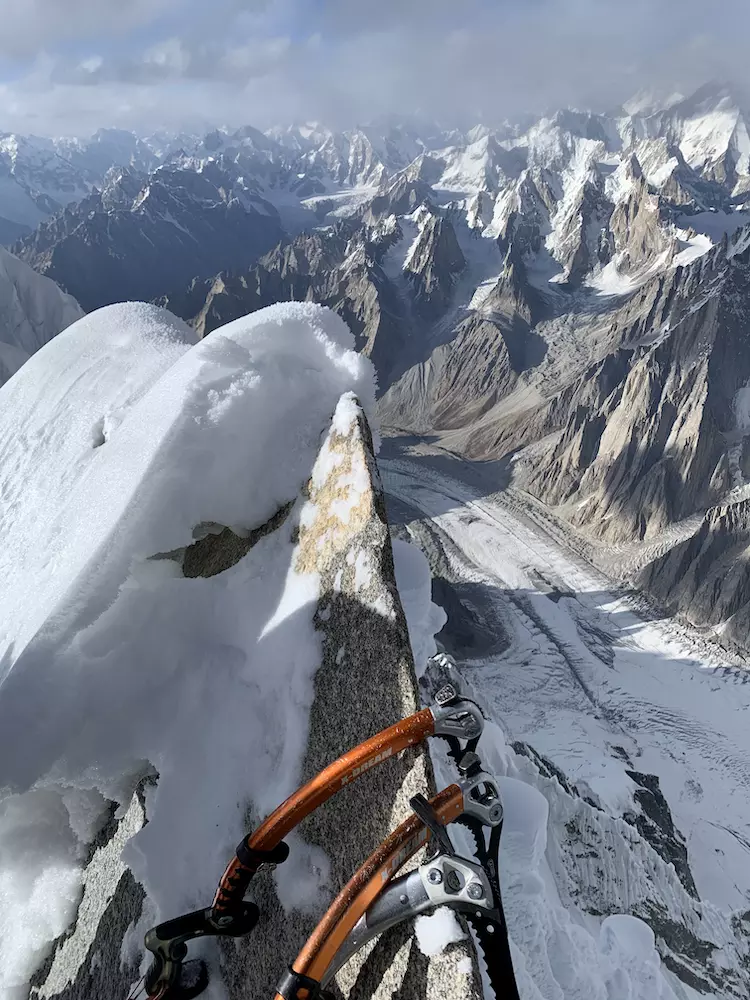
(74,66)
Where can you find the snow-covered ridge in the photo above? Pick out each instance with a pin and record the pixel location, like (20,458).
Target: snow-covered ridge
(124,440)
(128,448)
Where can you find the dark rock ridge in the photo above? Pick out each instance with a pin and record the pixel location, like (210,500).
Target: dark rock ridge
(706,577)
(332,268)
(655,824)
(141,236)
(402,197)
(341,267)
(434,263)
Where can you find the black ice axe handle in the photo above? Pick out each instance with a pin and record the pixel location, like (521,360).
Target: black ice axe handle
(168,944)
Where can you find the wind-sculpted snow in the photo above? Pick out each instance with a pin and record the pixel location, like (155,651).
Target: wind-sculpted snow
(124,443)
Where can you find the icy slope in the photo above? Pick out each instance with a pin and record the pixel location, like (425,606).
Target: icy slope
(123,447)
(32,311)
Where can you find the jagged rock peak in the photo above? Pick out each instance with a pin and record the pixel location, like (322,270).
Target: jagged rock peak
(435,260)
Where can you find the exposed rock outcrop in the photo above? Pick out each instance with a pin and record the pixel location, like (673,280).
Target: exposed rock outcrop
(636,222)
(365,650)
(521,217)
(401,197)
(351,160)
(678,185)
(464,378)
(655,824)
(582,229)
(641,435)
(287,273)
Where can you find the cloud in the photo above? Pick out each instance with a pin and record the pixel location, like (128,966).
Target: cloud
(174,60)
(346,61)
(31,26)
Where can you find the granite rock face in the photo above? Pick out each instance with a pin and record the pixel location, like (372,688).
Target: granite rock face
(583,229)
(637,223)
(644,436)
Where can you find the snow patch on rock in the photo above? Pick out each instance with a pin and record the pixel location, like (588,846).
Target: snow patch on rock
(437,931)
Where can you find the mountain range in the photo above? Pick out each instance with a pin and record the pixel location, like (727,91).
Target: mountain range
(569,297)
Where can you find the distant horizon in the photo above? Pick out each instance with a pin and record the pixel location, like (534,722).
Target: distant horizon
(666,100)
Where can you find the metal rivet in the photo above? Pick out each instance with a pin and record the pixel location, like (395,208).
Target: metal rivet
(435,876)
(224,921)
(476,890)
(403,898)
(453,881)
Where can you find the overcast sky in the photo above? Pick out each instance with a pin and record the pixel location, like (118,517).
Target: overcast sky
(71,66)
